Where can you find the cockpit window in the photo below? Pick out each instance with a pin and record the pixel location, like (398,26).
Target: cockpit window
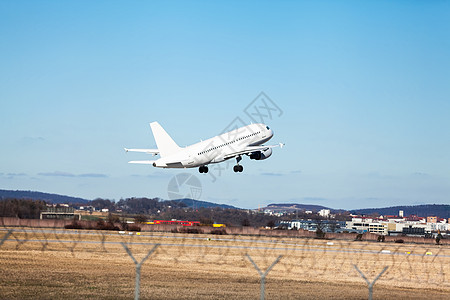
(267,127)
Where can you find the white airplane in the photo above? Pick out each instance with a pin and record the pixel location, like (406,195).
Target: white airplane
(246,140)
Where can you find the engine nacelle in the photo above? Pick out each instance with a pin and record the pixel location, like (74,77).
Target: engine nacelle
(260,155)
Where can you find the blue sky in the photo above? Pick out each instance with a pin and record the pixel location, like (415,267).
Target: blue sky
(362,89)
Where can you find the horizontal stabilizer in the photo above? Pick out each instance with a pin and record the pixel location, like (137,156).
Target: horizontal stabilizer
(142,162)
(148,151)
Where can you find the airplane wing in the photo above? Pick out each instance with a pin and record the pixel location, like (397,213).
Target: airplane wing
(250,149)
(142,162)
(148,151)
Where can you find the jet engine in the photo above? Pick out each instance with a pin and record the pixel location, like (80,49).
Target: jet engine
(260,155)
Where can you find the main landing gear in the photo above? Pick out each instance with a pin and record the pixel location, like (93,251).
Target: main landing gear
(238,167)
(203,169)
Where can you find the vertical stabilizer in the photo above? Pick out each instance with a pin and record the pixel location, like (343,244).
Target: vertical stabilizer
(166,145)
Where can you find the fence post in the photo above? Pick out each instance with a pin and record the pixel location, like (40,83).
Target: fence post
(5,237)
(370,284)
(263,274)
(137,287)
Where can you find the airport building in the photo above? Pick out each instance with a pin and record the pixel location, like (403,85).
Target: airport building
(398,225)
(368,225)
(383,225)
(313,225)
(60,213)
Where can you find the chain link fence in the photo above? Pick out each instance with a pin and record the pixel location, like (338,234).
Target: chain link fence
(48,263)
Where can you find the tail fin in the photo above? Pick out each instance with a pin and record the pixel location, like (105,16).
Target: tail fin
(166,145)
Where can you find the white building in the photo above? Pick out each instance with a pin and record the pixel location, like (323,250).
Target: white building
(324,213)
(442,226)
(397,225)
(368,225)
(313,225)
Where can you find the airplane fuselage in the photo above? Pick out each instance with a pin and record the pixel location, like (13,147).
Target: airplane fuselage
(218,148)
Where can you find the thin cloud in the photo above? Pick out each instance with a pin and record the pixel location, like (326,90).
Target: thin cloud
(93,175)
(15,174)
(57,174)
(421,174)
(12,175)
(272,174)
(29,140)
(314,199)
(67,174)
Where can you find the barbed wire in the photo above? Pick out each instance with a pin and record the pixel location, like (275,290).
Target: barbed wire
(405,265)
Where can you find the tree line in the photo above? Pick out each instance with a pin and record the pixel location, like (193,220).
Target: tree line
(148,209)
(21,208)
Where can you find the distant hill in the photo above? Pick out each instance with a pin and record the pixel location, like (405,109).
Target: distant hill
(426,210)
(440,210)
(51,198)
(198,204)
(58,199)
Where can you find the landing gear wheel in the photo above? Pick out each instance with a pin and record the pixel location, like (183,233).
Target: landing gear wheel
(238,168)
(203,169)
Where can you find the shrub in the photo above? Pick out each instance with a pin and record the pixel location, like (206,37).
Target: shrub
(73,225)
(140,219)
(219,231)
(111,226)
(102,225)
(190,230)
(134,228)
(439,237)
(320,234)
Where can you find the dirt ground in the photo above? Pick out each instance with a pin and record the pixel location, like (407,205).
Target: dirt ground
(61,264)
